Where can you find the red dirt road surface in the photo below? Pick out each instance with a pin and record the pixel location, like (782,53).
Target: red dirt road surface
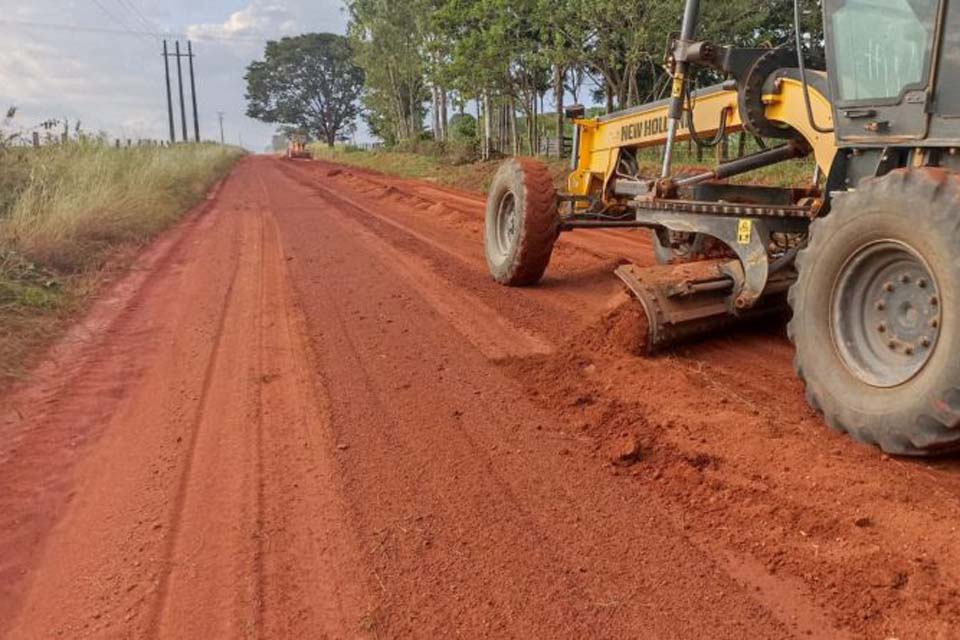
(309,413)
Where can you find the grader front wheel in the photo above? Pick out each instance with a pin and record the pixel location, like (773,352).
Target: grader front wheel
(877,313)
(522,222)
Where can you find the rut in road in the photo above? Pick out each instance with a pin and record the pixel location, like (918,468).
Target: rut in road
(310,413)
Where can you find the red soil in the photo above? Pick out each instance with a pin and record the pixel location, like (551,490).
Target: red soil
(310,413)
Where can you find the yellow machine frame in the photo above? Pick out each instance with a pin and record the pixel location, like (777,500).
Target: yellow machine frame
(601,139)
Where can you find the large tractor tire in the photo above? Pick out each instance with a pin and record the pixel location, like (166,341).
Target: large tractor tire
(876,312)
(522,222)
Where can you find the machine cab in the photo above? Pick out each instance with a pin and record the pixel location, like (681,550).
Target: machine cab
(881,60)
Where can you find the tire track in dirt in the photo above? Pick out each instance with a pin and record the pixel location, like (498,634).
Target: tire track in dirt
(205,502)
(314,578)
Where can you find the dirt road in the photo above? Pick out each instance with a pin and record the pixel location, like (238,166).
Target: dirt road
(308,413)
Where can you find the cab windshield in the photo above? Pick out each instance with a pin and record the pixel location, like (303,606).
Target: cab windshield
(881,47)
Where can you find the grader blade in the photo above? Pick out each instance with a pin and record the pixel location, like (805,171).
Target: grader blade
(688,301)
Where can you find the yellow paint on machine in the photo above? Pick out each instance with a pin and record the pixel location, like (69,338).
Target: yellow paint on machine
(602,138)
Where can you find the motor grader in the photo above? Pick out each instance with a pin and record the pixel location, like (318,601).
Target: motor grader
(867,254)
(297,148)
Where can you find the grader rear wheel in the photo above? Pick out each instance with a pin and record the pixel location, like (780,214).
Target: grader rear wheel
(522,222)
(877,313)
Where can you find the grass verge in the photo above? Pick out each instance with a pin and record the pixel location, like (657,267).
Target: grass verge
(69,211)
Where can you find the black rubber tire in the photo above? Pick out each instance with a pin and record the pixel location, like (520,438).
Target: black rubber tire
(918,208)
(525,260)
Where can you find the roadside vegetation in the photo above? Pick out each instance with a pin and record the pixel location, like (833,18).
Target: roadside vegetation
(433,162)
(70,212)
(426,162)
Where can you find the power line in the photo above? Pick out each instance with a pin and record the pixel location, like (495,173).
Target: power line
(138,14)
(132,32)
(115,19)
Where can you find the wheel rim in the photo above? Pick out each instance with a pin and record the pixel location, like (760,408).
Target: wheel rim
(506,223)
(885,314)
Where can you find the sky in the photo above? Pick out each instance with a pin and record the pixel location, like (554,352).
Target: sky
(78,60)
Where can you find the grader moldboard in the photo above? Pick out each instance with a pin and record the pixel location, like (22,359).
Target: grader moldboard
(868,254)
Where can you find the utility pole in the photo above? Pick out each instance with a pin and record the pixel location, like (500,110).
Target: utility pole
(193,94)
(166,68)
(220,115)
(183,109)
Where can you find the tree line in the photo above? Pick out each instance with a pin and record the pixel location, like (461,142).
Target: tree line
(486,72)
(500,59)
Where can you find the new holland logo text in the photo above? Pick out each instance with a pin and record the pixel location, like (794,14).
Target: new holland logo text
(643,129)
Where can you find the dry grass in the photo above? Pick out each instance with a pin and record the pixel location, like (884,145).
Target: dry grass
(75,201)
(66,211)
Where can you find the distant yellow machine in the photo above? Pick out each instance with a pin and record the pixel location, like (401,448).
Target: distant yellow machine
(297,149)
(868,252)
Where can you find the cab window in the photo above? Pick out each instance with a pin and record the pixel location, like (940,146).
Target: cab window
(882,47)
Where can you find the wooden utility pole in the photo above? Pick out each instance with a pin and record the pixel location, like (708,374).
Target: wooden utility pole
(220,115)
(193,94)
(166,68)
(183,108)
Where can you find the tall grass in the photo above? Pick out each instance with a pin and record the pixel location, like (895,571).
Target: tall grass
(66,210)
(76,201)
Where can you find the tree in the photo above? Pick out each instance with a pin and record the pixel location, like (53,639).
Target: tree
(507,54)
(309,82)
(388,38)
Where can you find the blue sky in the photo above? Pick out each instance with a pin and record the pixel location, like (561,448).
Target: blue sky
(113,81)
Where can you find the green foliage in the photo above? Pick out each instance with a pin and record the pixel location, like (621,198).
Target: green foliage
(464,128)
(389,39)
(309,82)
(513,52)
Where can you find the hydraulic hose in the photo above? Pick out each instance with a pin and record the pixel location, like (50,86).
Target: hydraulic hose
(803,70)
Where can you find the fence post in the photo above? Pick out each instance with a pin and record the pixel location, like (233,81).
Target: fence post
(36,139)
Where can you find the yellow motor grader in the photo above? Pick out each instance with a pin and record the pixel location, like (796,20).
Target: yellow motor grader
(297,148)
(868,254)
